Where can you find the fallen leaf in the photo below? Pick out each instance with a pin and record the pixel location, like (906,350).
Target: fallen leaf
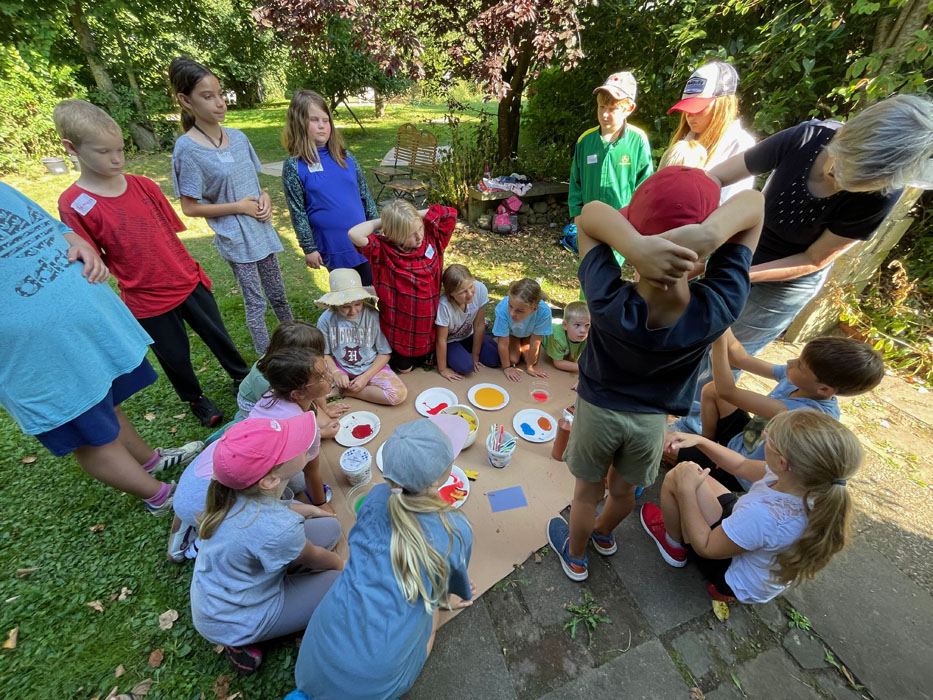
(218,648)
(721,610)
(124,593)
(845,672)
(97,528)
(221,687)
(234,696)
(97,605)
(30,459)
(119,671)
(150,417)
(537,558)
(11,638)
(23,573)
(11,599)
(180,416)
(155,658)
(173,430)
(697,694)
(112,695)
(142,688)
(167,619)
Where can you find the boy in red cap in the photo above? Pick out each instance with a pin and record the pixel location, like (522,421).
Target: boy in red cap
(612,159)
(647,338)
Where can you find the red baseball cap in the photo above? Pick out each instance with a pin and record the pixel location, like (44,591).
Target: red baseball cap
(673,196)
(251,448)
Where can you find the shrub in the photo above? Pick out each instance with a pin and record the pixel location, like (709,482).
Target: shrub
(471,147)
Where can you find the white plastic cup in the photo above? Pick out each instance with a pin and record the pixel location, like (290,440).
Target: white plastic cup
(499,458)
(356,465)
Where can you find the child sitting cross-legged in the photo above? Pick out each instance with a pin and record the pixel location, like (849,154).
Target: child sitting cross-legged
(357,350)
(647,339)
(826,368)
(410,552)
(568,337)
(522,321)
(407,261)
(462,343)
(794,518)
(262,567)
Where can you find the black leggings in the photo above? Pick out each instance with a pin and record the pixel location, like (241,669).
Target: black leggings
(727,428)
(714,570)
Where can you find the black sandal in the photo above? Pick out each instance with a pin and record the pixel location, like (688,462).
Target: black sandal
(245,659)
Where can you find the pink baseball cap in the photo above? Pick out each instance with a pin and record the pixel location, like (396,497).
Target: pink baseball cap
(674,196)
(251,448)
(708,82)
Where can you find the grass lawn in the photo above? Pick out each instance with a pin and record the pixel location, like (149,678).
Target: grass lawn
(87,542)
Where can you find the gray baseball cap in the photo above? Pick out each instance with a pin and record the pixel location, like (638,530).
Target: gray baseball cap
(419,452)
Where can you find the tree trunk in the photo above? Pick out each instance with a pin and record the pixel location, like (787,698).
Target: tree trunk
(142,132)
(380,105)
(142,137)
(894,33)
(509,112)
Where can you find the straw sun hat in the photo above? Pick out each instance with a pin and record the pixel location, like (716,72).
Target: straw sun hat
(345,288)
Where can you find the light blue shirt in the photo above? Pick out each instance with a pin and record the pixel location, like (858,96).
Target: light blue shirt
(538,322)
(63,340)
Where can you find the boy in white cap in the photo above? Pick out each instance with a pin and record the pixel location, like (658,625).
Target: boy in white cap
(612,159)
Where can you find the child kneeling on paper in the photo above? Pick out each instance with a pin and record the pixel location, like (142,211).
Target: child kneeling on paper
(795,517)
(568,338)
(661,326)
(410,552)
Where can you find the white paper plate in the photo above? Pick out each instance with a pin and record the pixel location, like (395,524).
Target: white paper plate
(471,395)
(357,421)
(526,424)
(456,480)
(432,401)
(379,457)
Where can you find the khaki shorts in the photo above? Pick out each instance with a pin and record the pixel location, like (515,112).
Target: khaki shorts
(631,442)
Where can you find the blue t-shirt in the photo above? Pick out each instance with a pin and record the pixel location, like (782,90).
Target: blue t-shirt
(333,206)
(365,640)
(627,366)
(749,442)
(538,323)
(63,340)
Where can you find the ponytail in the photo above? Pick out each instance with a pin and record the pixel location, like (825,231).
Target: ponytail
(412,556)
(823,454)
(220,499)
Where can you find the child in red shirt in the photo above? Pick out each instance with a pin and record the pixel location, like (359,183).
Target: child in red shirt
(128,219)
(407,261)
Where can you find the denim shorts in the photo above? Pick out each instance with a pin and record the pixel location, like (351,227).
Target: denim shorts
(98,425)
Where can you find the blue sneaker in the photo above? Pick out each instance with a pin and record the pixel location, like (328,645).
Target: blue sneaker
(558,534)
(639,490)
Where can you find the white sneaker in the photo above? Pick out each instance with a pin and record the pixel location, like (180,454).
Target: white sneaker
(179,541)
(173,456)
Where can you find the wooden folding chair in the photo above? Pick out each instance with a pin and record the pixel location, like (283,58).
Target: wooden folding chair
(423,168)
(406,146)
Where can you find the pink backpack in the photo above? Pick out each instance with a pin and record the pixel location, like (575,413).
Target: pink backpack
(506,219)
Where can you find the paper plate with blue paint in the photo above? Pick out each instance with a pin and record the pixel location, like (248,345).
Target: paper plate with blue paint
(534,425)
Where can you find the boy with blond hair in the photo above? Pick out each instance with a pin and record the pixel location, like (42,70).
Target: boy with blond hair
(612,159)
(568,337)
(131,223)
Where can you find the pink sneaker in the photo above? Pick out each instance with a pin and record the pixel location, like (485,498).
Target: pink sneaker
(716,595)
(653,522)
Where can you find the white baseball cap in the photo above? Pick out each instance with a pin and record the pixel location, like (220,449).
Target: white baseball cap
(706,84)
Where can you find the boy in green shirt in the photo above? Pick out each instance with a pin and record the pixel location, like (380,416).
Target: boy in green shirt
(568,338)
(611,160)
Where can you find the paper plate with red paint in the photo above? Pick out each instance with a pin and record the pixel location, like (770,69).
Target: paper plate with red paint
(431,402)
(456,489)
(534,425)
(357,428)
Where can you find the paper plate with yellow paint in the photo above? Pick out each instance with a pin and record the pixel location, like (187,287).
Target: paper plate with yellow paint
(488,397)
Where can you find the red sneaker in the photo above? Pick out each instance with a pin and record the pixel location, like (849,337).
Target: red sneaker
(653,522)
(716,595)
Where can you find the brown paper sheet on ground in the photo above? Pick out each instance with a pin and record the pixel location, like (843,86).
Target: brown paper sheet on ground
(500,540)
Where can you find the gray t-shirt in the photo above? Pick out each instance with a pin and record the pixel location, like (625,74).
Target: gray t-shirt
(460,323)
(223,176)
(238,589)
(353,343)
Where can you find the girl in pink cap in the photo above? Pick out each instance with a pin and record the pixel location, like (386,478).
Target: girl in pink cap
(253,577)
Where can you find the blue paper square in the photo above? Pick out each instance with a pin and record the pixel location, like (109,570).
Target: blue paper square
(507,499)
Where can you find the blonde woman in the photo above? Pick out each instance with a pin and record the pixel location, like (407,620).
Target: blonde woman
(370,636)
(325,188)
(793,519)
(709,115)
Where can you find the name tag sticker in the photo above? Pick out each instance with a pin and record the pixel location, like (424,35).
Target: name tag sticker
(83,204)
(429,252)
(316,168)
(590,160)
(225,156)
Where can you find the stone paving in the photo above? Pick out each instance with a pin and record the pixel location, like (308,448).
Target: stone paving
(665,642)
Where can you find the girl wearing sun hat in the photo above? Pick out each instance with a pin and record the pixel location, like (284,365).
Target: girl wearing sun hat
(357,350)
(372,633)
(709,115)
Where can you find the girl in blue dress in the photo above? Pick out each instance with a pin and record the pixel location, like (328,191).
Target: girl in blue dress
(325,187)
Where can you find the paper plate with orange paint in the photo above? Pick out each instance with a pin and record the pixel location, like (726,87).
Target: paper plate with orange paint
(534,425)
(488,397)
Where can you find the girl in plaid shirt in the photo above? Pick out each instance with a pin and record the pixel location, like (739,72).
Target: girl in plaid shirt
(406,250)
